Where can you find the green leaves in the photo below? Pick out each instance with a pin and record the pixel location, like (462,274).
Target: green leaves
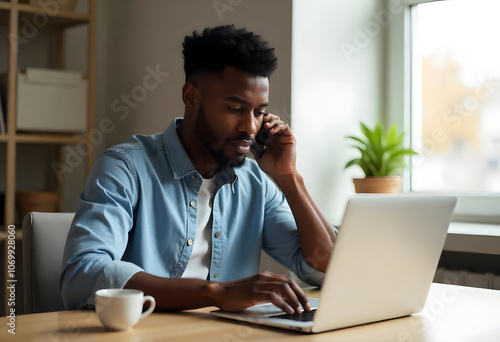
(382,153)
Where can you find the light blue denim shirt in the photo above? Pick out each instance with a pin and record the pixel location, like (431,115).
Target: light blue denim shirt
(137,212)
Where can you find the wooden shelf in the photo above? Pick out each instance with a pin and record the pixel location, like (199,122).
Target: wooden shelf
(49,138)
(45,138)
(4,235)
(61,19)
(4,5)
(5,8)
(14,17)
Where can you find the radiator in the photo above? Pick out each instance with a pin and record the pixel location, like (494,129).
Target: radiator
(467,278)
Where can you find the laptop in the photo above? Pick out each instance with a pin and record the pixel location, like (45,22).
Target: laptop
(382,265)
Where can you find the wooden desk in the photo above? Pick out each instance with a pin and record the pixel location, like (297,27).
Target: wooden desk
(452,313)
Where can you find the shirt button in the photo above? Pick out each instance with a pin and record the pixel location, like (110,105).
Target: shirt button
(216,275)
(176,274)
(190,242)
(217,234)
(192,203)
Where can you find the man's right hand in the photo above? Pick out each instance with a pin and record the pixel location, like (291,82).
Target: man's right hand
(264,287)
(174,294)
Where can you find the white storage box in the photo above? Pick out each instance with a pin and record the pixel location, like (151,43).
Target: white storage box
(51,101)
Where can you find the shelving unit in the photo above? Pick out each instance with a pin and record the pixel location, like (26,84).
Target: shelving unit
(12,15)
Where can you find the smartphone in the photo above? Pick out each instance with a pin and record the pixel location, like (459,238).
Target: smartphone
(261,140)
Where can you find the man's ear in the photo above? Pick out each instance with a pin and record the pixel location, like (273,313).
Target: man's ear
(190,95)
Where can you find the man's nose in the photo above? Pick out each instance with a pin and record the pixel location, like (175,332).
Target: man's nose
(248,124)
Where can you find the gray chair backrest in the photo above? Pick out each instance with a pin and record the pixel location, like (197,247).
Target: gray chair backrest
(44,238)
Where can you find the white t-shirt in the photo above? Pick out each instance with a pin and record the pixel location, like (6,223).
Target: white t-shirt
(198,266)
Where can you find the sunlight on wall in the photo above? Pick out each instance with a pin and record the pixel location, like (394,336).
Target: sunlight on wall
(336,82)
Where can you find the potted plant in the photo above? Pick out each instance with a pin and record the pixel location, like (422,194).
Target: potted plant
(382,157)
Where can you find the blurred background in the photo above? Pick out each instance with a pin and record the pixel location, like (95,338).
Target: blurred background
(322,90)
(429,67)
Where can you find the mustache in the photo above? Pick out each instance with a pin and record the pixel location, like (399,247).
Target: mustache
(240,138)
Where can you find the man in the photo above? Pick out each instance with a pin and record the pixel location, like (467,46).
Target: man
(183,215)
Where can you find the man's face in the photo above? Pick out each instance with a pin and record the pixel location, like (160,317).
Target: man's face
(230,113)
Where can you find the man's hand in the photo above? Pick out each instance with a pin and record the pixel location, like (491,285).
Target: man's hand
(278,161)
(279,158)
(262,288)
(174,294)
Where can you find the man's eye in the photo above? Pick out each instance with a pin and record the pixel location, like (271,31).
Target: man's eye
(259,113)
(234,110)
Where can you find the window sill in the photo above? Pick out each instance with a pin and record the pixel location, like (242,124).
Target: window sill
(473,238)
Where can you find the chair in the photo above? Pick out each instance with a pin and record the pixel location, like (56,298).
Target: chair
(44,238)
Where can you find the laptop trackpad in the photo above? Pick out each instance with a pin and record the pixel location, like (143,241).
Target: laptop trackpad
(268,309)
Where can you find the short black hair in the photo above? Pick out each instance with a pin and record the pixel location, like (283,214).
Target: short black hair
(222,46)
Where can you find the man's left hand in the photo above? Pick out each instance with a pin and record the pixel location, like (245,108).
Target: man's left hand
(279,157)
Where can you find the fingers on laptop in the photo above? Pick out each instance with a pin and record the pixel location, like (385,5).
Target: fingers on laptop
(284,293)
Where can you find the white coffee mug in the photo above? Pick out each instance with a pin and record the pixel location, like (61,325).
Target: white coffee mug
(121,309)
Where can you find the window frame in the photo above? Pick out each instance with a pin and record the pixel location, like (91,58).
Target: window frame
(477,208)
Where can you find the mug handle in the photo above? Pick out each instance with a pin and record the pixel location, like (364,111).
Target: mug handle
(152,306)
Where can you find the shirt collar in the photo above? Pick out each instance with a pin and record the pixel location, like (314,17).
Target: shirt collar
(180,163)
(177,157)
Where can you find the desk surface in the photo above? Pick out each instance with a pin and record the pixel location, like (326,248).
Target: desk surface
(451,313)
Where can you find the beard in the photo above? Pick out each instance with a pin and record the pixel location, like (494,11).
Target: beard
(209,137)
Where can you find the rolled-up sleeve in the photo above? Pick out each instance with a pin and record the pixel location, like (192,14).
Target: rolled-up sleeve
(281,237)
(99,233)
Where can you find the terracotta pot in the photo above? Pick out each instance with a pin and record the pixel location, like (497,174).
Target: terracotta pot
(28,201)
(64,5)
(385,185)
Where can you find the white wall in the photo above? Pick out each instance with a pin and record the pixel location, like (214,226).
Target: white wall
(136,34)
(337,81)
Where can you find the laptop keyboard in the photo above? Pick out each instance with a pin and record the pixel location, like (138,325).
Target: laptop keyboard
(306,316)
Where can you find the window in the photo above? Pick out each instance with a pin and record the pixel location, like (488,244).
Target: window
(455,100)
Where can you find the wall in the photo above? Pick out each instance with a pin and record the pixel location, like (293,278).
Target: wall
(337,81)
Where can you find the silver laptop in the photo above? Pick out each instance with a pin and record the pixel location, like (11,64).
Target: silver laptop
(381,267)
